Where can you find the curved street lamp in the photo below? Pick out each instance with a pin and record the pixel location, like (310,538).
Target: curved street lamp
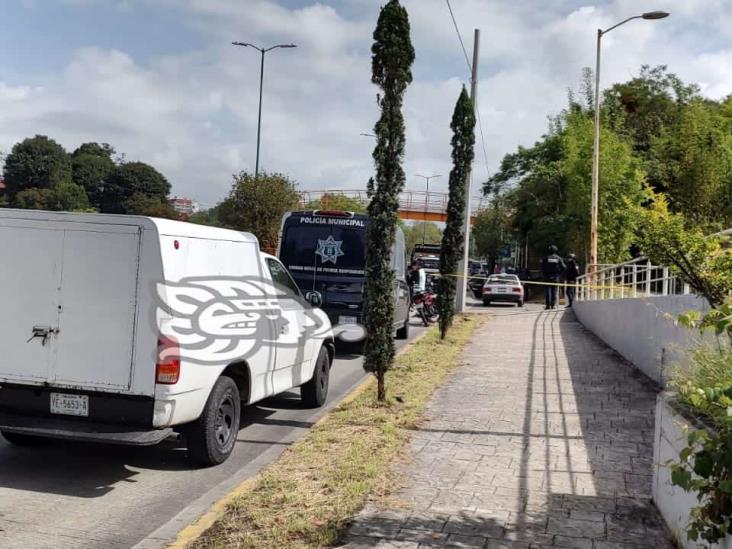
(426,198)
(261,82)
(651,15)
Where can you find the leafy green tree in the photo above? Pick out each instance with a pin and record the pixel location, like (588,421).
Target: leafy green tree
(256,205)
(548,188)
(210,217)
(645,105)
(493,229)
(35,162)
(702,261)
(91,165)
(694,161)
(68,197)
(391,62)
(463,142)
(129,179)
(337,201)
(65,196)
(150,206)
(421,232)
(34,198)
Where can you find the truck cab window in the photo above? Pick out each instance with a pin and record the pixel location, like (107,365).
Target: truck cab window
(281,277)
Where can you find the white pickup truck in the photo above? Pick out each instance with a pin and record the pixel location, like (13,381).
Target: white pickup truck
(127,329)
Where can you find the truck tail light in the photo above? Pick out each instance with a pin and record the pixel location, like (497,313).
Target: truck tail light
(167,368)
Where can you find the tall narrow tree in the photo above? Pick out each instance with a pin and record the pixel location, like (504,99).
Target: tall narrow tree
(392,58)
(463,141)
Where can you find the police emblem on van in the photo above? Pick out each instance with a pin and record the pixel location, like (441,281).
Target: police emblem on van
(329,250)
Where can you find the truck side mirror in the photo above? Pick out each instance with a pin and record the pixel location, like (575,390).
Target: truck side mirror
(314,298)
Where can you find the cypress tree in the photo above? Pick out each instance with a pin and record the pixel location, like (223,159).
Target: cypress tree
(463,140)
(392,58)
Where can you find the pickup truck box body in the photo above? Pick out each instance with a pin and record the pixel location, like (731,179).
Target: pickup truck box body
(82,315)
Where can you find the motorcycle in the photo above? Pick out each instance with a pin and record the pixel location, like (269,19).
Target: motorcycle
(425,303)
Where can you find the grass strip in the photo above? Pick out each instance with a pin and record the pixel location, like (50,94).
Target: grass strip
(308,496)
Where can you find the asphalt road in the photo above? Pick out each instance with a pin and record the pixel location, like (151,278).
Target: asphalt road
(77,495)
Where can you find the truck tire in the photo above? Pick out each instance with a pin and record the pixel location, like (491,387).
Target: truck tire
(211,438)
(315,392)
(403,332)
(23,440)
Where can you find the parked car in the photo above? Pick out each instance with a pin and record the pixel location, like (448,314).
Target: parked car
(326,253)
(127,329)
(503,288)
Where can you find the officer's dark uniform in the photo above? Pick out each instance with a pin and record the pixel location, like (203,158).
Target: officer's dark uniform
(570,276)
(552,267)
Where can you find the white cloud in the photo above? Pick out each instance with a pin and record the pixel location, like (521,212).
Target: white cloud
(194,115)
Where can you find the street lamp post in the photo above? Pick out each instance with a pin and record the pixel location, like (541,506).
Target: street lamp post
(651,15)
(426,198)
(261,83)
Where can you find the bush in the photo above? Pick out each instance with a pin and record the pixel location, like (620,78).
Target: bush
(705,465)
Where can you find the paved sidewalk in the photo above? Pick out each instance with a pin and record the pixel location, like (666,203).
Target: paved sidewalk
(543,438)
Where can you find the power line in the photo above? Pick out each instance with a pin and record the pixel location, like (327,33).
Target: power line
(470,69)
(457,30)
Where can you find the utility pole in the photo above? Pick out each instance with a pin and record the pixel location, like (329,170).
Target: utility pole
(462,280)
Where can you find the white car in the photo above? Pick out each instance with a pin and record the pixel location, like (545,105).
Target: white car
(503,288)
(126,329)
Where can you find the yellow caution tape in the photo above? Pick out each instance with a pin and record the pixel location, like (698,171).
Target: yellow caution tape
(576,285)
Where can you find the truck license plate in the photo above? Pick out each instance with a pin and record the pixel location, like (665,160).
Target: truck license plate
(347,320)
(70,405)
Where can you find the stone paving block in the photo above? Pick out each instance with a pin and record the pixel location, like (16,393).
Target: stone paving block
(542,438)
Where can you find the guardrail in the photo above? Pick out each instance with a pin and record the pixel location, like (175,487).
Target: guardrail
(635,278)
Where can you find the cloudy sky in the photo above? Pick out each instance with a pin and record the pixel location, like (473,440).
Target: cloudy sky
(160,81)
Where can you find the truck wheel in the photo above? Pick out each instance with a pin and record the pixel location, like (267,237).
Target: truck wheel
(212,436)
(314,392)
(403,332)
(23,440)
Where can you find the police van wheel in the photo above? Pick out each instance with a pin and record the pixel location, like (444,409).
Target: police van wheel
(520,303)
(315,392)
(403,332)
(211,438)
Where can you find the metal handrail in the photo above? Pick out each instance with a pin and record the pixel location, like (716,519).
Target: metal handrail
(635,278)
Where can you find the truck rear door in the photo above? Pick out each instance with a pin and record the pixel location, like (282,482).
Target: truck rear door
(97,307)
(30,272)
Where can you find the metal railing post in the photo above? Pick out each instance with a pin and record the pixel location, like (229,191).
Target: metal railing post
(648,278)
(634,279)
(612,282)
(665,284)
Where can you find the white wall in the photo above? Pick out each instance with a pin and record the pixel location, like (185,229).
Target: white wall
(642,330)
(673,503)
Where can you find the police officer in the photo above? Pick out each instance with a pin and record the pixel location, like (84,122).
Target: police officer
(552,267)
(571,275)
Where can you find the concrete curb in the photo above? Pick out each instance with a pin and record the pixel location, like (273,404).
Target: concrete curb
(190,524)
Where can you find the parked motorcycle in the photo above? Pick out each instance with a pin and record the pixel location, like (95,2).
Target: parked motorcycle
(425,304)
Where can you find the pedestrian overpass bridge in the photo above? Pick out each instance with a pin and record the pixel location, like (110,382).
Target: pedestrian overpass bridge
(413,205)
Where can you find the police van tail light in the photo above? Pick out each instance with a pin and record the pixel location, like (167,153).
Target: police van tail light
(518,290)
(167,368)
